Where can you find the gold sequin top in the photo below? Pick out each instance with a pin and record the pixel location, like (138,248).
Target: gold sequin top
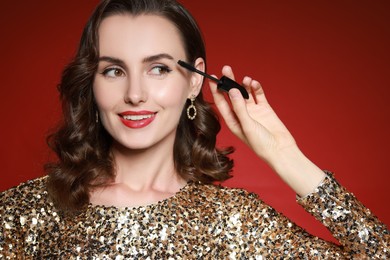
(199,222)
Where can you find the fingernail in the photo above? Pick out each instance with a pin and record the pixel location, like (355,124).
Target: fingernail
(234,93)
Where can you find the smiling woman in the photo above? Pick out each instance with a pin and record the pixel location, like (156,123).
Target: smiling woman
(128,106)
(135,172)
(147,81)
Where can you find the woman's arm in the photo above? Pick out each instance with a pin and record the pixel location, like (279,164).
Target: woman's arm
(11,242)
(360,233)
(255,123)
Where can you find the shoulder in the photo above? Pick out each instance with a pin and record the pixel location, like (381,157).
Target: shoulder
(25,206)
(27,195)
(27,217)
(219,196)
(224,191)
(228,208)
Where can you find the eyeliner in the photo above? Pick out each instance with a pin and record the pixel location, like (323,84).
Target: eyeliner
(224,83)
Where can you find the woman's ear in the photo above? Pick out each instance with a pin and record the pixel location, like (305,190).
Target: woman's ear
(197,79)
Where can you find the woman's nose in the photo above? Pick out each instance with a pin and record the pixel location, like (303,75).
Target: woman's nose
(135,91)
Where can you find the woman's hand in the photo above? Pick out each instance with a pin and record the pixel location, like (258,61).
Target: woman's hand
(255,123)
(253,120)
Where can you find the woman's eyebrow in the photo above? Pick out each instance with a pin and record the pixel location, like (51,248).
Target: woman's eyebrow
(157,57)
(145,60)
(112,60)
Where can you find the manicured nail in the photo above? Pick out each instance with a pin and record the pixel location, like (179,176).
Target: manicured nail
(234,93)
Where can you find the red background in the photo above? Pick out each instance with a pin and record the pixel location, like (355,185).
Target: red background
(325,66)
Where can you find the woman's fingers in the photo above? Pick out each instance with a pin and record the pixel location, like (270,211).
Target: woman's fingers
(239,106)
(258,92)
(247,83)
(236,112)
(225,109)
(221,102)
(228,72)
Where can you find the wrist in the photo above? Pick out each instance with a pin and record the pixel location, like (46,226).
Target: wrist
(302,175)
(284,156)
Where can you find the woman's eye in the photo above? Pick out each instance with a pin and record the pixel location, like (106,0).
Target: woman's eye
(160,70)
(113,72)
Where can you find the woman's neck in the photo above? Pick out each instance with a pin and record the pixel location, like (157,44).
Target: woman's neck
(142,177)
(146,169)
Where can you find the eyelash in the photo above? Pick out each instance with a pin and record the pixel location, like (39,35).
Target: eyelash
(163,69)
(108,70)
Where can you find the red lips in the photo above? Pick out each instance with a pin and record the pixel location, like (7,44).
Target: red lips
(137,119)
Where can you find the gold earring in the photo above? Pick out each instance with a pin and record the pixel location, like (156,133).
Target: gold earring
(97,117)
(191,114)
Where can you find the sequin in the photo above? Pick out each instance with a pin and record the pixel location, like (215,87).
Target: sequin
(199,222)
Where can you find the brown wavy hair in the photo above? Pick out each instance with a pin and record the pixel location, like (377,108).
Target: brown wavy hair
(83,145)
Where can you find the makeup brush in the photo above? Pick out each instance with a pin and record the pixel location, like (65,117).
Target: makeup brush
(224,83)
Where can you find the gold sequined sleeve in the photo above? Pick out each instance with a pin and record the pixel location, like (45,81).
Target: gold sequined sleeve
(11,243)
(351,223)
(361,235)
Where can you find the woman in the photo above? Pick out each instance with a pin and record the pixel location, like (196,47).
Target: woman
(137,157)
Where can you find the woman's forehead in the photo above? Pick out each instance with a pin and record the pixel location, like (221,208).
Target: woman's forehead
(139,35)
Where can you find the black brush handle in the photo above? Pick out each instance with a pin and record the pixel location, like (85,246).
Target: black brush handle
(226,84)
(223,83)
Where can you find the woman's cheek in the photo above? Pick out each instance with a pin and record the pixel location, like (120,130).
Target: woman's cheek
(106,96)
(172,93)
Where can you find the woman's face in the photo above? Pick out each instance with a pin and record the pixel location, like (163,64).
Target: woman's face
(139,89)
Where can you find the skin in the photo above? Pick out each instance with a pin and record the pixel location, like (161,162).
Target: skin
(138,71)
(256,124)
(131,78)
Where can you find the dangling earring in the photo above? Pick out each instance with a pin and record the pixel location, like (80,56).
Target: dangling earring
(192,107)
(97,117)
